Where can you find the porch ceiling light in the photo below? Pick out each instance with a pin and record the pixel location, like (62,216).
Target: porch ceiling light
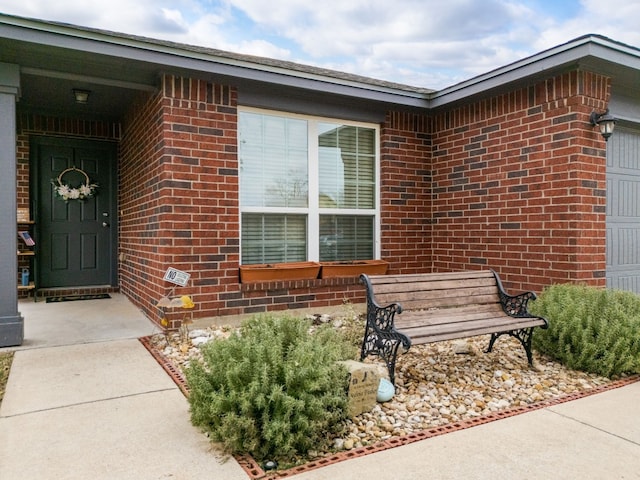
(605,122)
(81,96)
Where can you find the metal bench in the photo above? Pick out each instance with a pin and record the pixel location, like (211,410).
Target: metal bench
(425,308)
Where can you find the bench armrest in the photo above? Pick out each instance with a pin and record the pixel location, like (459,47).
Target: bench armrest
(380,317)
(380,336)
(516,305)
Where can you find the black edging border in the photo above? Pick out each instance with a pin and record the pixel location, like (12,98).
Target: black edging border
(255,471)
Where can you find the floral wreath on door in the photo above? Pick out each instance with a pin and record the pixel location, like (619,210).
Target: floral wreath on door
(81,192)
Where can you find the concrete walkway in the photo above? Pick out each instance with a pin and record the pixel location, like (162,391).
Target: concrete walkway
(86,400)
(595,438)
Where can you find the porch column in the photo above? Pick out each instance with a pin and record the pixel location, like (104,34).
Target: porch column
(11,322)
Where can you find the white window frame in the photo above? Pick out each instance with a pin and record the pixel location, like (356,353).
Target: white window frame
(314,211)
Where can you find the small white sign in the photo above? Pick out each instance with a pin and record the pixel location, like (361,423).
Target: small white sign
(176,276)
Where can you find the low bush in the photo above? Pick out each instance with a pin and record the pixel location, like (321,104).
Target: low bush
(590,329)
(273,389)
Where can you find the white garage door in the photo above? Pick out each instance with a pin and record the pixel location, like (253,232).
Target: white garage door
(623,209)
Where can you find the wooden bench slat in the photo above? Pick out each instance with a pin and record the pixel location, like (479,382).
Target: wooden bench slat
(408,278)
(458,323)
(413,279)
(432,285)
(475,297)
(463,329)
(453,335)
(448,315)
(419,290)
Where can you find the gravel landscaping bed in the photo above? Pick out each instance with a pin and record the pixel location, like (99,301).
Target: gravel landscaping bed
(5,367)
(436,384)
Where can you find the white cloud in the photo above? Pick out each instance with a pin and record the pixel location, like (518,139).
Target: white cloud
(619,23)
(411,40)
(168,20)
(428,43)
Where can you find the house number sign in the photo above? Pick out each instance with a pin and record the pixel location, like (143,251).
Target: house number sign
(176,276)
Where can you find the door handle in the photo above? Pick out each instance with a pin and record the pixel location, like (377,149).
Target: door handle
(105,224)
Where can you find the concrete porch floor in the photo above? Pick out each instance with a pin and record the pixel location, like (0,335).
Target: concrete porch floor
(85,321)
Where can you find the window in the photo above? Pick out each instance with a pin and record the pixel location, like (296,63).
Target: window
(308,188)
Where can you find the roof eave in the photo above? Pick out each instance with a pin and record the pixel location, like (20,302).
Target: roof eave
(570,53)
(173,56)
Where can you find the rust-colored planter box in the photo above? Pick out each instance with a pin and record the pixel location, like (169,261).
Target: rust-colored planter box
(353,268)
(279,271)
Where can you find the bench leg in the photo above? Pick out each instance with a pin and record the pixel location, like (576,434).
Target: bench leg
(385,347)
(389,357)
(523,335)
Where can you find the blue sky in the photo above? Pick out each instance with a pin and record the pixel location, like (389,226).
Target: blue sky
(425,43)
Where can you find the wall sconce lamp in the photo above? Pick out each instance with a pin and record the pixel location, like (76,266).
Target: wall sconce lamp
(81,96)
(605,121)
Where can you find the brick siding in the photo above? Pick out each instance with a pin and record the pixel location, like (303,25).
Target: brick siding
(405,192)
(179,207)
(519,184)
(179,194)
(515,182)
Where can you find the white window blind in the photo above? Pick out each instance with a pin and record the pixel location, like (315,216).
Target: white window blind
(273,238)
(273,161)
(346,166)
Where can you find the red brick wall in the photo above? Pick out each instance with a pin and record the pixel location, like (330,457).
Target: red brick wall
(273,296)
(178,193)
(139,173)
(519,184)
(515,182)
(405,192)
(179,207)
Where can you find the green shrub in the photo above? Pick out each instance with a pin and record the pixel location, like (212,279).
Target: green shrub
(590,329)
(352,325)
(273,390)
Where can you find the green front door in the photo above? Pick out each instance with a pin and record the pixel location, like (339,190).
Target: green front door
(75,238)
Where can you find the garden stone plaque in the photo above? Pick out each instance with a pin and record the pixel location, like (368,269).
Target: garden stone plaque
(363,386)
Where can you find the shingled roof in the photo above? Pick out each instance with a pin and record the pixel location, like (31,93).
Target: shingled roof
(216,55)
